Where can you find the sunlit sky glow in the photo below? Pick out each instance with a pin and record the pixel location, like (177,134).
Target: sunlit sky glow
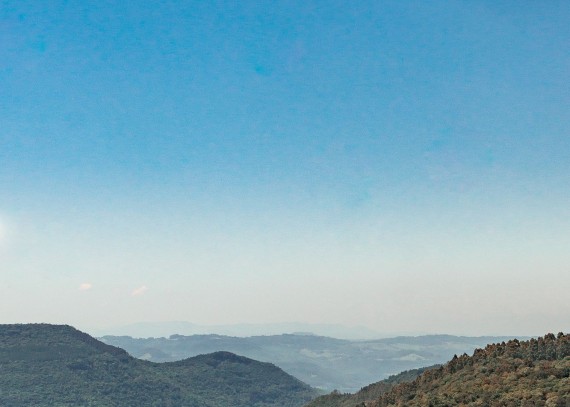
(403,166)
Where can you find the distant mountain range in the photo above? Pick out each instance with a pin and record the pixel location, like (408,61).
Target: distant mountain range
(322,362)
(165,329)
(57,365)
(513,373)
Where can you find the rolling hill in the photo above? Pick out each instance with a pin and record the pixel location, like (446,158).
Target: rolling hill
(48,365)
(322,362)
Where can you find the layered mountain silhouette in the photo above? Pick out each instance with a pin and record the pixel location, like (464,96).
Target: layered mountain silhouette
(513,373)
(322,362)
(57,365)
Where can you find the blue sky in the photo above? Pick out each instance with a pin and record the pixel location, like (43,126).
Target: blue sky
(399,165)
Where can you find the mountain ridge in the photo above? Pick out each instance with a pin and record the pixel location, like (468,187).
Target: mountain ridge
(46,365)
(164,329)
(323,362)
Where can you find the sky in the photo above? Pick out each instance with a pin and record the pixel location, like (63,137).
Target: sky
(398,165)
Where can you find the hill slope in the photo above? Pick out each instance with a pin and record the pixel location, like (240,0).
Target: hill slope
(370,392)
(529,373)
(322,362)
(47,365)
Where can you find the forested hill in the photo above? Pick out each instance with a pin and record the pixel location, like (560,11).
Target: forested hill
(370,392)
(47,365)
(529,373)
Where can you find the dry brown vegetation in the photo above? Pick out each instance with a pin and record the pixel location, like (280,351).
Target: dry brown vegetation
(515,373)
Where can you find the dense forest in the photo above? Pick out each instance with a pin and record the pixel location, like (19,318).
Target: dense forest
(513,373)
(47,365)
(51,365)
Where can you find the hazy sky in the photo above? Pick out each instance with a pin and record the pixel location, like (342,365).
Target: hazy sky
(399,165)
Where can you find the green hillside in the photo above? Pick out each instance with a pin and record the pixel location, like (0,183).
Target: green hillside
(515,373)
(54,365)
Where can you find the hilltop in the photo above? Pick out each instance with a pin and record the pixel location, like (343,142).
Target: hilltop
(46,365)
(513,373)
